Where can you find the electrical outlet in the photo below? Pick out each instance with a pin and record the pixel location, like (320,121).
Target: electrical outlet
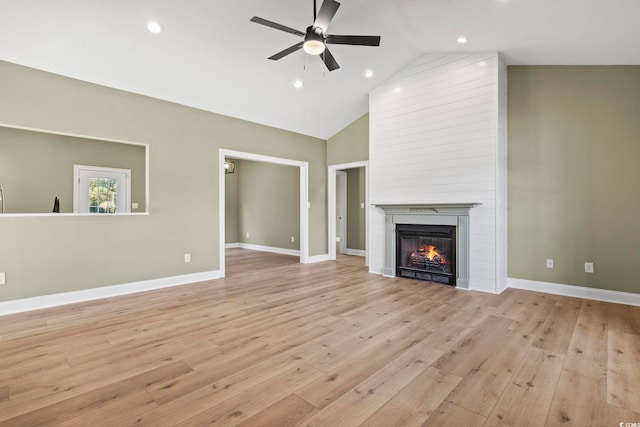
(361,205)
(293,239)
(187,257)
(3,278)
(588,267)
(549,263)
(247,235)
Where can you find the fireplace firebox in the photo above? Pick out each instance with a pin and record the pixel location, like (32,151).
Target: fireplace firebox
(426,252)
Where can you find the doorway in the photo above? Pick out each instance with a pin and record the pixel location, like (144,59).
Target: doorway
(334,196)
(304,198)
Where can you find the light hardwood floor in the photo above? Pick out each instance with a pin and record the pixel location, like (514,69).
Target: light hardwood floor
(277,343)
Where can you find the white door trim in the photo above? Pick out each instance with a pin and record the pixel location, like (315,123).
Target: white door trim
(331,188)
(341,204)
(304,198)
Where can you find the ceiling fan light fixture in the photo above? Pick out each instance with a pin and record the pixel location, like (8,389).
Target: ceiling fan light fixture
(313,43)
(313,47)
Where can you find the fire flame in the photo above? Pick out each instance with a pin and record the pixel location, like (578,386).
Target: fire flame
(431,252)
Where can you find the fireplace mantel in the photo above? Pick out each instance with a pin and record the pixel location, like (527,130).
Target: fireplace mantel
(456,214)
(427,208)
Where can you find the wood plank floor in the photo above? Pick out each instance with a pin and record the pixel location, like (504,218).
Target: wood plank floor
(277,343)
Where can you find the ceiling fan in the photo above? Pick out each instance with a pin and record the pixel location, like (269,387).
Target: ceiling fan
(316,37)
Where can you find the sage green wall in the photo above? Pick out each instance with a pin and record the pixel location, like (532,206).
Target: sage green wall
(355,213)
(269,204)
(231,197)
(574,145)
(49,255)
(351,144)
(35,167)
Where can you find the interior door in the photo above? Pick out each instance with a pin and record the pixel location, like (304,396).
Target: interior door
(101,190)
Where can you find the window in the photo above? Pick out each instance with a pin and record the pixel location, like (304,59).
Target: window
(99,190)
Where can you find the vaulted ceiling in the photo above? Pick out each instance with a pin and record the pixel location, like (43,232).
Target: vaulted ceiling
(210,56)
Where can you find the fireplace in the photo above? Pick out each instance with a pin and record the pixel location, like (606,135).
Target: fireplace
(445,226)
(426,252)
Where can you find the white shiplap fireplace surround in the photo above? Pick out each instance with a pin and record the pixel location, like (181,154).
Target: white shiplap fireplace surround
(438,153)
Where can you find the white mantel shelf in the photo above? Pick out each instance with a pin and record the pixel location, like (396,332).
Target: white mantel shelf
(426,208)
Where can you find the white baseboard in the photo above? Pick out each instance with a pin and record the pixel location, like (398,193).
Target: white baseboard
(46,301)
(317,258)
(575,291)
(282,251)
(356,252)
(231,245)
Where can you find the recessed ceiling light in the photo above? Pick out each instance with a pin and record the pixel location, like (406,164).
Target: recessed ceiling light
(461,39)
(297,84)
(368,74)
(154,27)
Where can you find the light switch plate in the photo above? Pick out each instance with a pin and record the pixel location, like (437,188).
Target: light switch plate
(588,267)
(3,278)
(549,263)
(134,205)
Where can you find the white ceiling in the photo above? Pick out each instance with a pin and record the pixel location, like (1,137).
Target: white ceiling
(210,56)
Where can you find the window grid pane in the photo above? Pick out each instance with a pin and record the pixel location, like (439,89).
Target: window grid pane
(103,195)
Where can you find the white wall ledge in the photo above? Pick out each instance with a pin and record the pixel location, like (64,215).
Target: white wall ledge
(69,215)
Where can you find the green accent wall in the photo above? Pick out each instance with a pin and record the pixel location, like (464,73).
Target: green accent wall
(355,213)
(269,204)
(36,167)
(574,145)
(48,255)
(351,144)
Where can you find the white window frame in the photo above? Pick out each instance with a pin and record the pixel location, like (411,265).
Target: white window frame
(102,172)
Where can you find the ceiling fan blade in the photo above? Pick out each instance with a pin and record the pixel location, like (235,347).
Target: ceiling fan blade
(326,13)
(329,60)
(286,52)
(277,26)
(353,40)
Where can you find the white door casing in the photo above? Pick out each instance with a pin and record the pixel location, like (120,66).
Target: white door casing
(341,200)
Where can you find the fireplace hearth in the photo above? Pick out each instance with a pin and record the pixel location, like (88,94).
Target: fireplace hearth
(426,252)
